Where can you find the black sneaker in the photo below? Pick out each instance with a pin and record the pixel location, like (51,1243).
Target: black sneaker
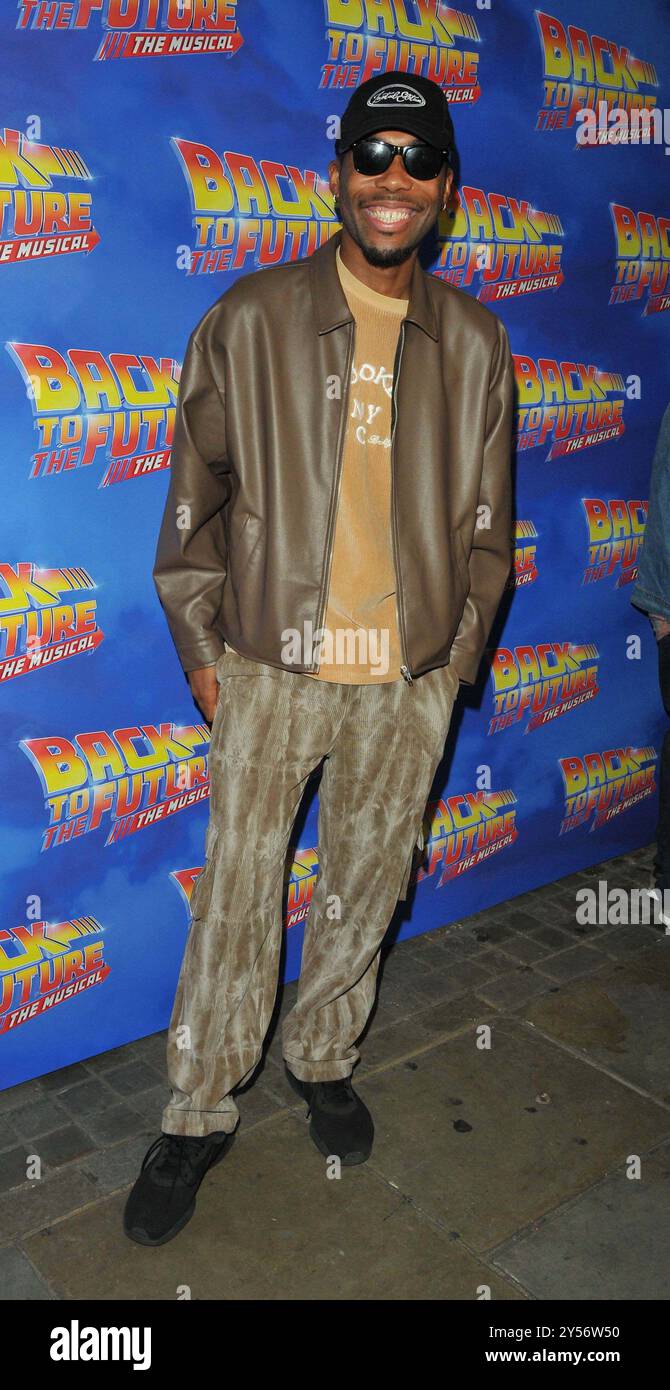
(341,1125)
(163,1198)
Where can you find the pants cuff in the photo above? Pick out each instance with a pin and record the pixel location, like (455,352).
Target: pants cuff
(318,1071)
(197,1124)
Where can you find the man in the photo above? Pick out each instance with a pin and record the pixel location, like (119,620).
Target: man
(340,472)
(651,593)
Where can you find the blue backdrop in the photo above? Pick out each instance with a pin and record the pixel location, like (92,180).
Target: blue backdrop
(152,152)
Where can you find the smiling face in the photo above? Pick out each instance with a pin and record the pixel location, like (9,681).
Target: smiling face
(388,214)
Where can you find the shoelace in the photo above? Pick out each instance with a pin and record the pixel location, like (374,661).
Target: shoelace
(336,1092)
(177,1158)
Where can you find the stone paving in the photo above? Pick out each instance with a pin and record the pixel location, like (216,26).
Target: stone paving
(516,1066)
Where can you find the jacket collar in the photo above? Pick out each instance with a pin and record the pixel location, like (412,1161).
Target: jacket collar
(330,303)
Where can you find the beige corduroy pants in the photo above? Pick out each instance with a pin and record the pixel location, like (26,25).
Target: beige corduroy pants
(381,745)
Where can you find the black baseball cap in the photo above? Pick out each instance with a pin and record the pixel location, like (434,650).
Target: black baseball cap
(398,101)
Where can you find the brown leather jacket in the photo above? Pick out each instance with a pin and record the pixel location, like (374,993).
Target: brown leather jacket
(246,540)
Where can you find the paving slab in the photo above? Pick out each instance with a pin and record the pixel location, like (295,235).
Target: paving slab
(34,1205)
(486,1141)
(618,1019)
(612,1243)
(18,1279)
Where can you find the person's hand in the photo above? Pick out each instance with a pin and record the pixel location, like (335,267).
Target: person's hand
(205,690)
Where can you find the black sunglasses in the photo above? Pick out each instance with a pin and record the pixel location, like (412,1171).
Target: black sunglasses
(374,156)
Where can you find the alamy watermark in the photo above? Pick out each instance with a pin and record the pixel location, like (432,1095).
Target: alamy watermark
(612,125)
(345,646)
(622,907)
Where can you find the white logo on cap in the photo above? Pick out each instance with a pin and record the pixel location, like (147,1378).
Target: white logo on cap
(396,96)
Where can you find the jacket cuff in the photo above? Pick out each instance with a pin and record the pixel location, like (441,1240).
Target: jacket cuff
(206,653)
(465,664)
(660,625)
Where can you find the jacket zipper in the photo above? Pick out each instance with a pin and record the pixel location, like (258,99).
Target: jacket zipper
(404,669)
(340,450)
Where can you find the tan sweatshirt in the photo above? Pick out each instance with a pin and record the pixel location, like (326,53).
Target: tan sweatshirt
(362,640)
